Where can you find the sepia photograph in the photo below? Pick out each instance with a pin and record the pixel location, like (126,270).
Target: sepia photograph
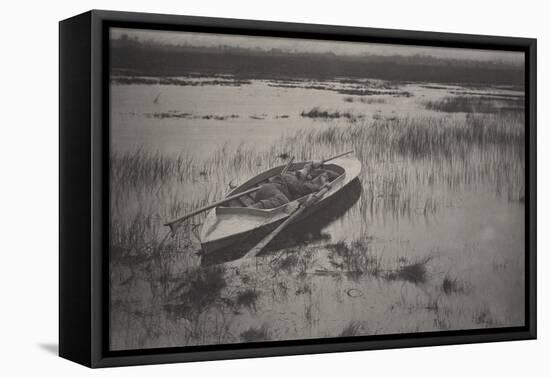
(274,189)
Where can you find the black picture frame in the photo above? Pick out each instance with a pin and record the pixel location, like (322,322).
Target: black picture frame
(84,190)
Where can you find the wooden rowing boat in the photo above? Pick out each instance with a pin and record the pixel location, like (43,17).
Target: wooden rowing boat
(229,225)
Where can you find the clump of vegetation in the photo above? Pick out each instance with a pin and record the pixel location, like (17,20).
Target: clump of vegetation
(141,80)
(303,288)
(350,87)
(169,114)
(453,286)
(143,169)
(441,323)
(484,317)
(366,100)
(371,92)
(499,265)
(287,262)
(248,298)
(325,114)
(136,241)
(480,104)
(434,86)
(415,272)
(489,95)
(220,117)
(283,85)
(354,258)
(185,115)
(199,289)
(254,334)
(353,328)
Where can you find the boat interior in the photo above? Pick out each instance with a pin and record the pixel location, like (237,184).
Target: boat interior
(241,204)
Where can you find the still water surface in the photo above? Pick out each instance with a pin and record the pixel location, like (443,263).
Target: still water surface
(472,238)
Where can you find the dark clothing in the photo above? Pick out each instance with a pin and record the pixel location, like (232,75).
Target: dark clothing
(269,190)
(275,185)
(288,187)
(271,195)
(272,202)
(297,187)
(331,175)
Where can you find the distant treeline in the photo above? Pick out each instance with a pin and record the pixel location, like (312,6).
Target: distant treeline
(133,57)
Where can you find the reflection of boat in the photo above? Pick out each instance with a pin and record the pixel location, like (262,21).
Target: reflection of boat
(227,226)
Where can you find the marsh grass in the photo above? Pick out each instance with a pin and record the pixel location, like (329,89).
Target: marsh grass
(353,328)
(404,160)
(288,262)
(354,258)
(361,91)
(248,298)
(484,317)
(186,115)
(317,113)
(142,80)
(452,285)
(366,100)
(253,334)
(293,261)
(476,104)
(414,272)
(197,291)
(348,87)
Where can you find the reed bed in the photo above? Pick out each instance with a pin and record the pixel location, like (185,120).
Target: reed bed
(404,161)
(477,104)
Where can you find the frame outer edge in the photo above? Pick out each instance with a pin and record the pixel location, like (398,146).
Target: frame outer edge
(406,36)
(532,232)
(97,171)
(98,300)
(74,191)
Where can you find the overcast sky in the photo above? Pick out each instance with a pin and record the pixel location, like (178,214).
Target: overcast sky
(308,45)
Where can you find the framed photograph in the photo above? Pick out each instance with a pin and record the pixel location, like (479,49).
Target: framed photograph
(233,188)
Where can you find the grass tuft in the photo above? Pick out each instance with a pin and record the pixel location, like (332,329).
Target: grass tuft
(325,114)
(199,289)
(453,286)
(248,298)
(475,104)
(415,273)
(353,328)
(253,334)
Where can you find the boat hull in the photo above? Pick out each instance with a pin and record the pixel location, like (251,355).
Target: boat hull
(249,226)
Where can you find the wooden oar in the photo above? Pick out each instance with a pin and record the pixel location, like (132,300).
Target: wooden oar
(287,166)
(173,224)
(299,210)
(312,199)
(336,157)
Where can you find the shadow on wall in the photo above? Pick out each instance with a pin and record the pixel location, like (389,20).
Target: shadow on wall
(51,348)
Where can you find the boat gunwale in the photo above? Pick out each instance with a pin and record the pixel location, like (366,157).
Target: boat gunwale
(213,218)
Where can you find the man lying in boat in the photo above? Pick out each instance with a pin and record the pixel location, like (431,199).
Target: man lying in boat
(290,186)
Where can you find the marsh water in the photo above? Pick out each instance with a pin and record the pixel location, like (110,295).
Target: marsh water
(430,238)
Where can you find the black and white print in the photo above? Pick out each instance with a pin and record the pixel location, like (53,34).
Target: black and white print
(357,189)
